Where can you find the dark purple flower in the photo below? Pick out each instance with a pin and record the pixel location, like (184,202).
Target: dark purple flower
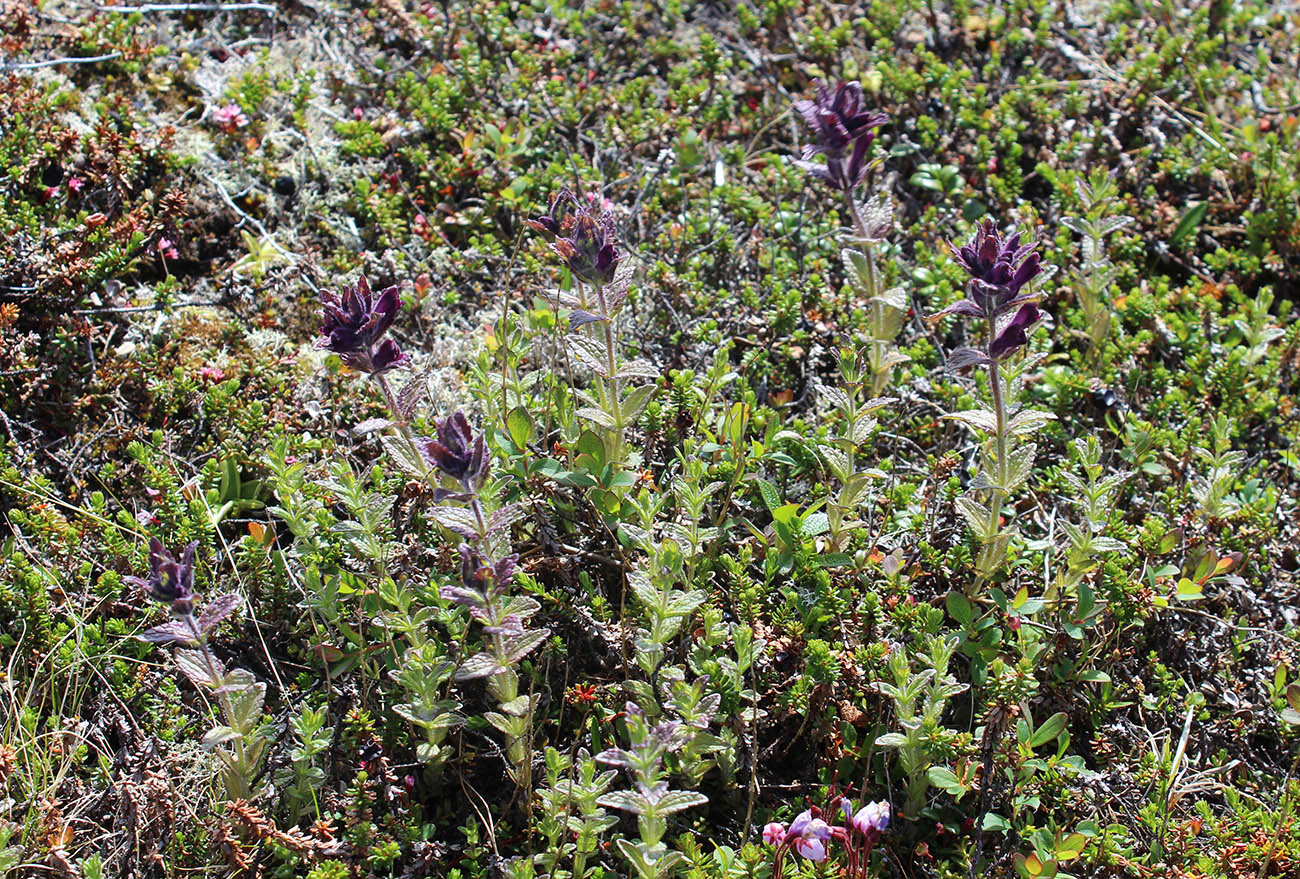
(1000,270)
(170,582)
(354,321)
(1014,334)
(839,119)
(551,224)
(480,579)
(457,452)
(999,267)
(584,237)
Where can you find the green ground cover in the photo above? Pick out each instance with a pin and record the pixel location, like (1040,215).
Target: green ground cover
(586,440)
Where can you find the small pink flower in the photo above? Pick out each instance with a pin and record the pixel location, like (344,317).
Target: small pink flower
(75,184)
(813,849)
(774,834)
(358,113)
(230,118)
(211,373)
(167,248)
(872,818)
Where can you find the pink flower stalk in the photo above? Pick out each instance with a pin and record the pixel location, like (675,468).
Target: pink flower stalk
(167,248)
(808,835)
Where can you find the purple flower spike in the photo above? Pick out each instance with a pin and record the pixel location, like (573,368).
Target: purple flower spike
(457,452)
(839,119)
(354,321)
(551,224)
(999,267)
(170,582)
(584,237)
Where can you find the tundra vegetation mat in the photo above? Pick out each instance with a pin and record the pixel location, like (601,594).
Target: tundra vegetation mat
(649,439)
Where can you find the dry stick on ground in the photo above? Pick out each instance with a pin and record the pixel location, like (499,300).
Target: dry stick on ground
(192,7)
(55,62)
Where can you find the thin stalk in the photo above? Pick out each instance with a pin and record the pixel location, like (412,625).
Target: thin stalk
(1000,447)
(504,685)
(402,426)
(615,406)
(860,225)
(227,707)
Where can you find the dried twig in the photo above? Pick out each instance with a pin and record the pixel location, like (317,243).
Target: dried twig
(55,62)
(192,7)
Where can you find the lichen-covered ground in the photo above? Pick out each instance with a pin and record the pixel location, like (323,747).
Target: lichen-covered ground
(1113,692)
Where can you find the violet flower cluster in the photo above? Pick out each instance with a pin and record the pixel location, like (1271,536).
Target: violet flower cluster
(844,131)
(354,324)
(585,239)
(1000,269)
(808,835)
(171,582)
(456,452)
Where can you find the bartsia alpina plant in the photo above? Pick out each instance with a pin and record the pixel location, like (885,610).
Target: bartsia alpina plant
(1002,270)
(584,235)
(171,583)
(486,575)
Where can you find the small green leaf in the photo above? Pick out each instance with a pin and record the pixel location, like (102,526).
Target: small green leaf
(519,424)
(959,608)
(771,497)
(1050,729)
(1071,847)
(944,779)
(996,823)
(1191,219)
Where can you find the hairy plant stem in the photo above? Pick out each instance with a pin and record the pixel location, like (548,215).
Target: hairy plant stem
(401,424)
(611,381)
(223,698)
(861,227)
(504,685)
(986,563)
